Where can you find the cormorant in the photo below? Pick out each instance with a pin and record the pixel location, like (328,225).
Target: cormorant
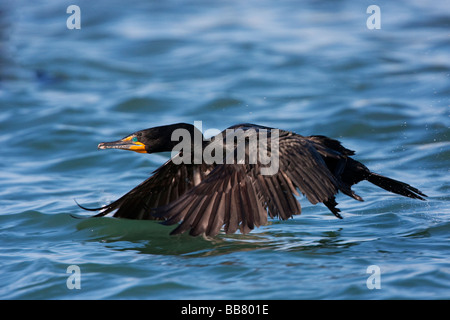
(231,190)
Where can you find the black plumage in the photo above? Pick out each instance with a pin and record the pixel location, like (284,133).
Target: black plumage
(203,197)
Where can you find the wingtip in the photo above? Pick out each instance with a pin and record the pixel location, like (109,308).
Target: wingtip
(101,214)
(422,197)
(84,208)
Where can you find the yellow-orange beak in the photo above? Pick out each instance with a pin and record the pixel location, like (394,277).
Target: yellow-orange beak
(128,143)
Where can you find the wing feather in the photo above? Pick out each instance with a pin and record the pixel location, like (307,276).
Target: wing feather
(166,185)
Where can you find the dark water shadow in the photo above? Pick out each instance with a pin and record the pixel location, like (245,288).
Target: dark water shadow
(151,237)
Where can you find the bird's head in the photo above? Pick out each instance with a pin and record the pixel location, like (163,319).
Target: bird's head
(152,140)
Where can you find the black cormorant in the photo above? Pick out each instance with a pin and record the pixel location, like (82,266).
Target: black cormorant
(231,190)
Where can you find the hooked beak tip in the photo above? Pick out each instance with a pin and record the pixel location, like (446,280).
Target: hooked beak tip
(101,146)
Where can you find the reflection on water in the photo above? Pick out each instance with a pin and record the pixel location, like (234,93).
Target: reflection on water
(150,237)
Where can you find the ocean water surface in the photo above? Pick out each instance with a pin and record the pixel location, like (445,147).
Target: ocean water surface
(313,67)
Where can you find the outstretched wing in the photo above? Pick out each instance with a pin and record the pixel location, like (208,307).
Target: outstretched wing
(238,196)
(226,197)
(167,184)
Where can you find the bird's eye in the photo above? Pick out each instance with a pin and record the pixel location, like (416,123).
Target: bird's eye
(135,139)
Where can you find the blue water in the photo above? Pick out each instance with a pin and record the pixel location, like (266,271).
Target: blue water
(309,66)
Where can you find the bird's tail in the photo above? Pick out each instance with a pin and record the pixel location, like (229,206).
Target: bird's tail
(396,186)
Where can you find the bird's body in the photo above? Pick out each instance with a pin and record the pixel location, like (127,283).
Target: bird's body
(240,177)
